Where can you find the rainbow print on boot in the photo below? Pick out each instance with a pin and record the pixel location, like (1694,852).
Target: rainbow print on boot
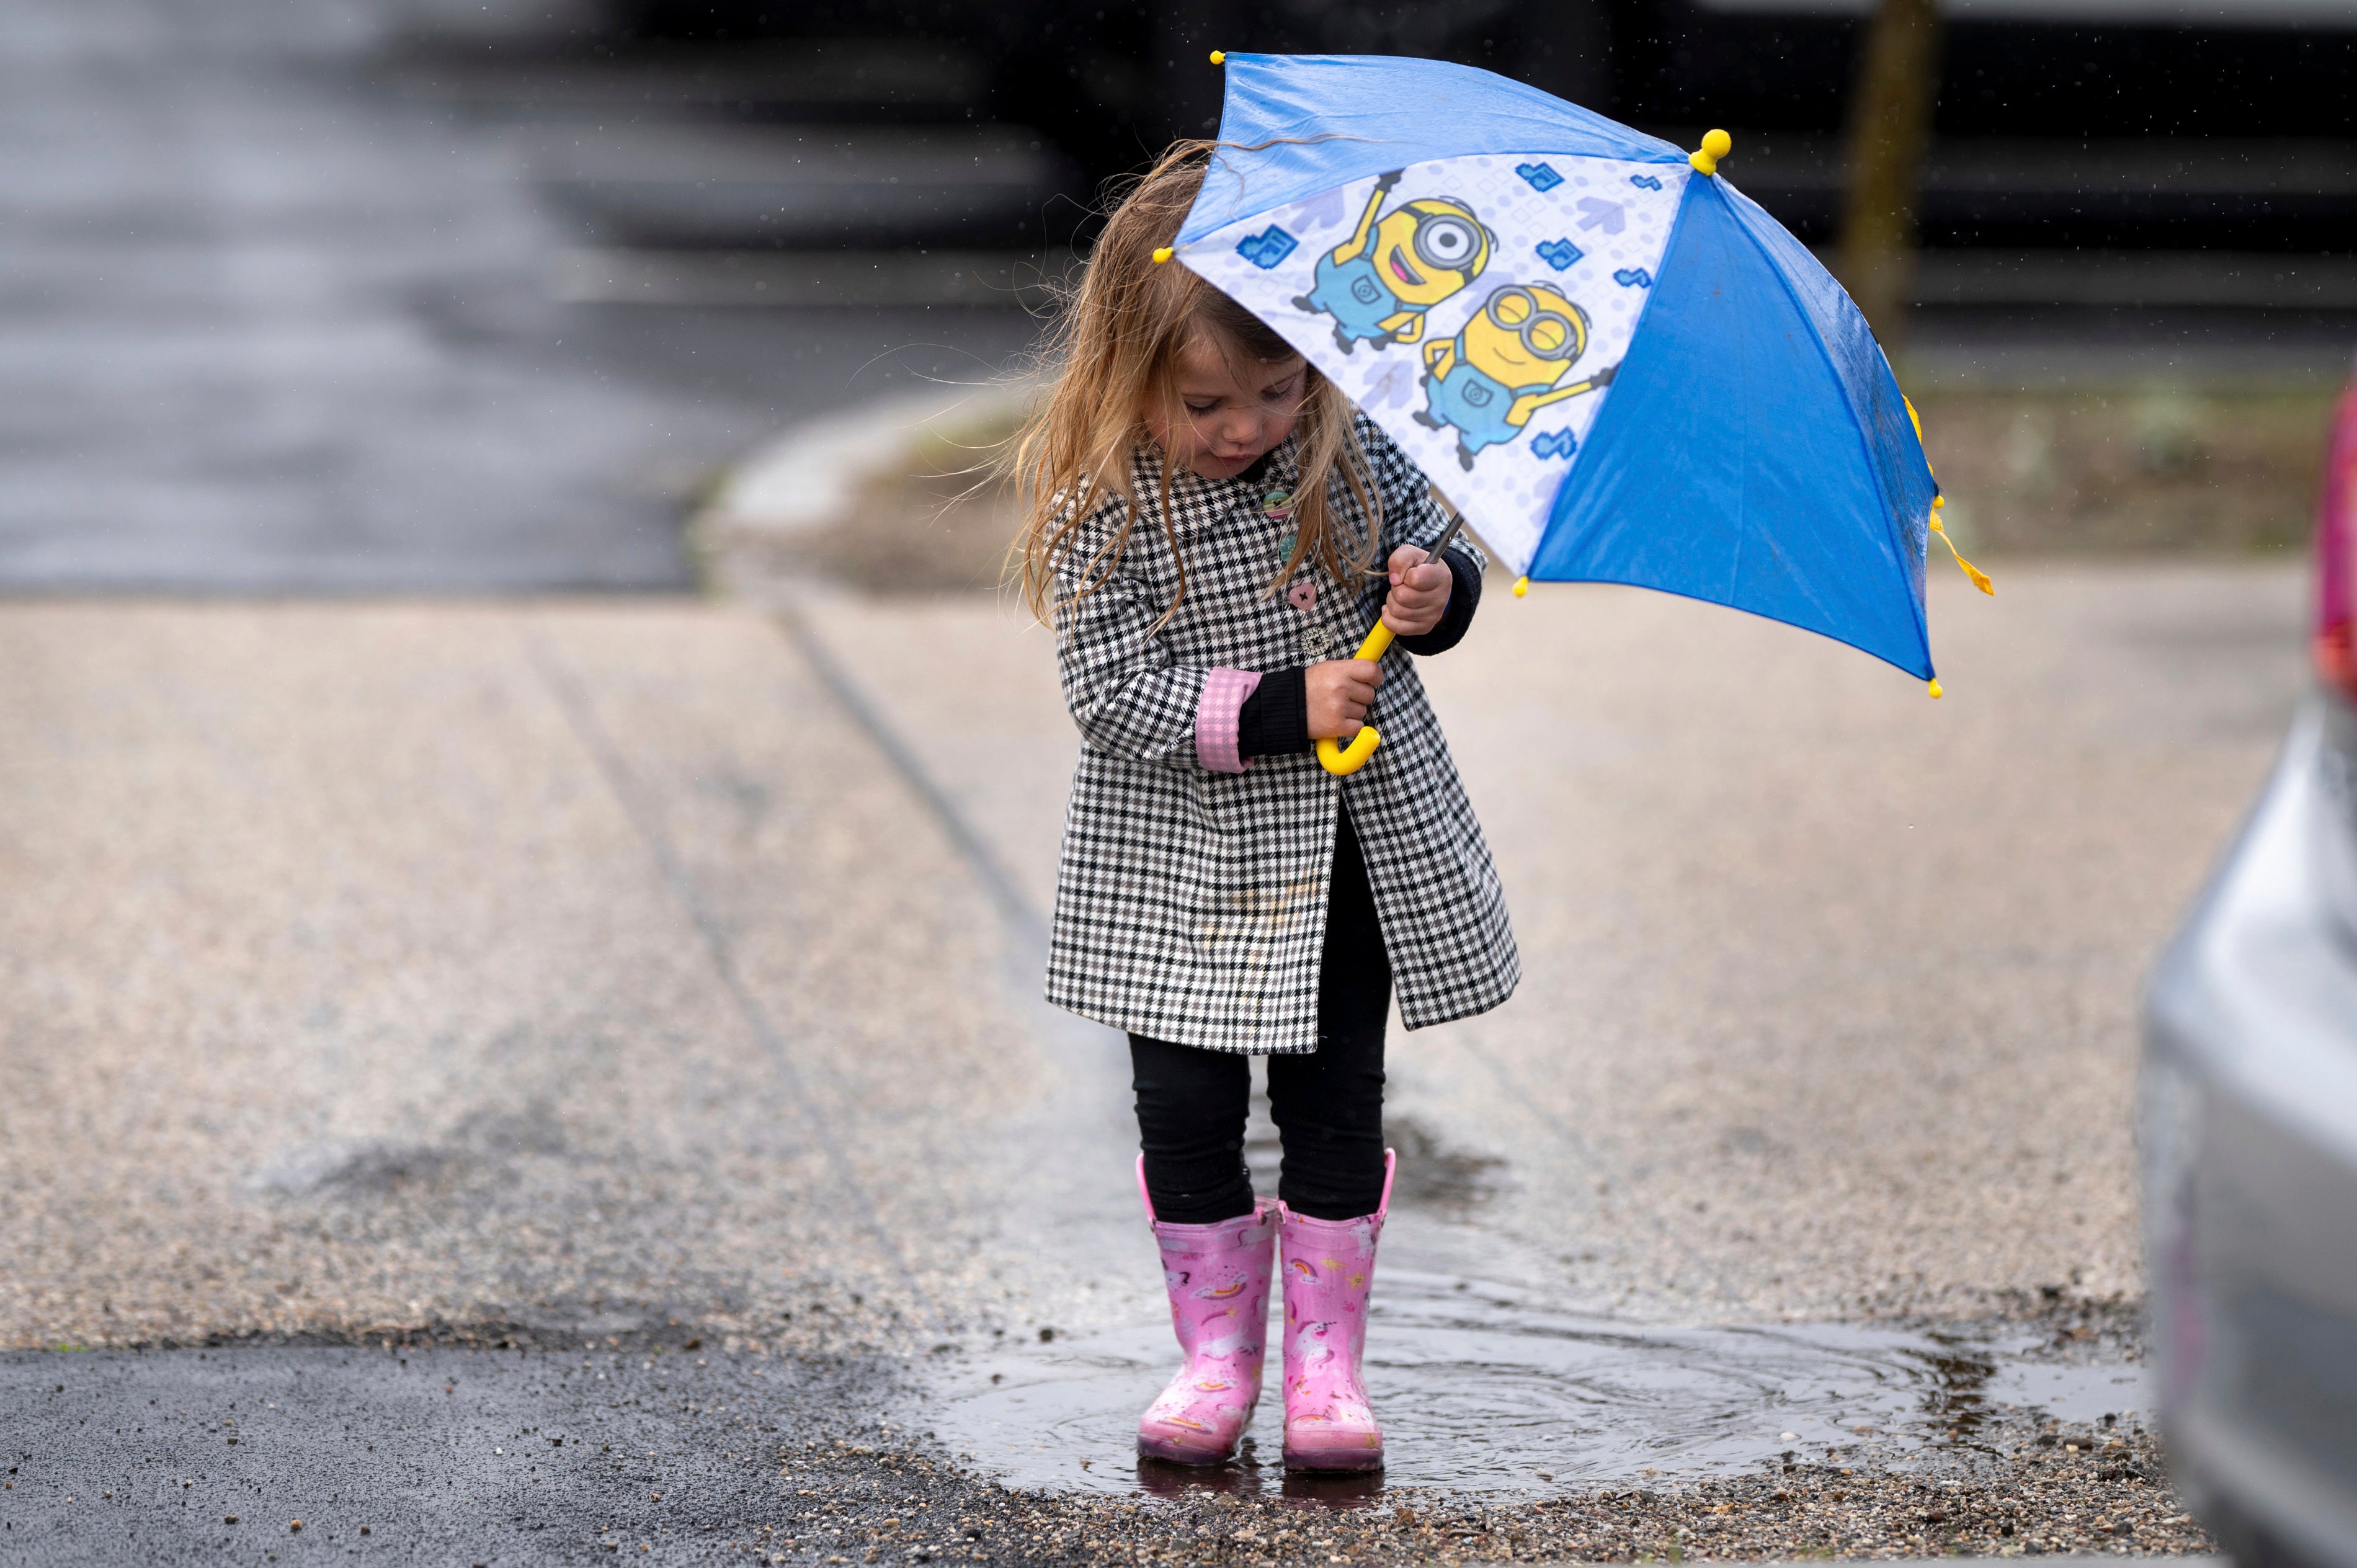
(1217,1276)
(1330,1275)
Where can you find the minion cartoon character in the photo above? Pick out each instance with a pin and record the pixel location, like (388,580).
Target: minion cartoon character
(1509,362)
(1378,285)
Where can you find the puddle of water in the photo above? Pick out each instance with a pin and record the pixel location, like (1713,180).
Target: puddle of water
(2074,1394)
(1478,1394)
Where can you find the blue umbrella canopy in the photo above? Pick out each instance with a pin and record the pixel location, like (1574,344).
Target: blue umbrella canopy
(1615,365)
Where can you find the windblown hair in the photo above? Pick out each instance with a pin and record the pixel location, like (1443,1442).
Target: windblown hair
(1112,355)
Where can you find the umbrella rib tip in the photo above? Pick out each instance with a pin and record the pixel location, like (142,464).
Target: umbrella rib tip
(1219,57)
(1715,145)
(1162,253)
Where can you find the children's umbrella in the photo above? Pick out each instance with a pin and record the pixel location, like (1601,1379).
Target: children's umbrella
(1612,363)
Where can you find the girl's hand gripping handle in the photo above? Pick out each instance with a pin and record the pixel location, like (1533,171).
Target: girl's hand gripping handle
(1344,760)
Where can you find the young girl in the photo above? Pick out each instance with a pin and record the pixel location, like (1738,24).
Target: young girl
(1205,512)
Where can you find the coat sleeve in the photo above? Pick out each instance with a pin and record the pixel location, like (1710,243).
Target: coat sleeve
(1128,697)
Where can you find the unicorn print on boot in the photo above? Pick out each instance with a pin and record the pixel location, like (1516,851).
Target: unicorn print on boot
(1217,1275)
(1329,1274)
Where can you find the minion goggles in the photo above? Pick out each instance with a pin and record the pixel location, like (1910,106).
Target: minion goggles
(1545,334)
(1446,241)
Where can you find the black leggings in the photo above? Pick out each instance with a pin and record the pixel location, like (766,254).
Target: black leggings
(1328,1104)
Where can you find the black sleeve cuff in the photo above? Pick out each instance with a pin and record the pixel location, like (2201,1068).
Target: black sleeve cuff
(1464,598)
(1275,719)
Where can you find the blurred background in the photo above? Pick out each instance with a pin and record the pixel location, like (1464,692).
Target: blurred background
(421,912)
(367,294)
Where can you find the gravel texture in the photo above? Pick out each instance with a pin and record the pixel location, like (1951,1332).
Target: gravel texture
(2065,1490)
(2086,1491)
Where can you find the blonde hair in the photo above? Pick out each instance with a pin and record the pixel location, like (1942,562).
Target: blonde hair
(1114,351)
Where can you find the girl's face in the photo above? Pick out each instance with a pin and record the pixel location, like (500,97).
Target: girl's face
(1233,408)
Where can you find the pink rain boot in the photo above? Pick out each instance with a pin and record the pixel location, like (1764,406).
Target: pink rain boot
(1218,1279)
(1329,1271)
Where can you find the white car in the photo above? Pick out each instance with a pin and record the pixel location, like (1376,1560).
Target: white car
(2248,1122)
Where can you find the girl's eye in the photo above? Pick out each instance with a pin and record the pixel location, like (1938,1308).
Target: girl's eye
(1202,407)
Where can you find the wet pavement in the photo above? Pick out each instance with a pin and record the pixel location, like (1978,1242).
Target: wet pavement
(422,980)
(405,1455)
(277,316)
(542,1452)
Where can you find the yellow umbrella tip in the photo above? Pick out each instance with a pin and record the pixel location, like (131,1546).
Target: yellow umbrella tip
(1934,689)
(1715,146)
(1521,586)
(1219,57)
(1163,253)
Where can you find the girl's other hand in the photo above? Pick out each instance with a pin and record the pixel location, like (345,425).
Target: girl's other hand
(1420,590)
(1340,690)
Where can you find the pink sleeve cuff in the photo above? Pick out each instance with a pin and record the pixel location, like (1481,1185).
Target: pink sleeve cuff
(1225,692)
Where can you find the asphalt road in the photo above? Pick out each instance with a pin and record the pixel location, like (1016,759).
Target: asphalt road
(409,1455)
(273,319)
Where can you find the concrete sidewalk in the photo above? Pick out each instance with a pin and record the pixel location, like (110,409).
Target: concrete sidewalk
(573,969)
(386,965)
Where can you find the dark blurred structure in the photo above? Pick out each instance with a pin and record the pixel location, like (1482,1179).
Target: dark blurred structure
(2137,154)
(1114,83)
(2138,130)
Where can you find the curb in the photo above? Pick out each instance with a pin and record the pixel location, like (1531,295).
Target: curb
(808,476)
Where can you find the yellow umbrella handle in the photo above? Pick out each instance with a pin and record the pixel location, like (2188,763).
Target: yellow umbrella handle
(1342,761)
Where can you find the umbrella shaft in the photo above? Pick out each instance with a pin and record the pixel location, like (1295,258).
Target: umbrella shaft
(1447,534)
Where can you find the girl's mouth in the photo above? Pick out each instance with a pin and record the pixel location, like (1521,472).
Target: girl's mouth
(1401,271)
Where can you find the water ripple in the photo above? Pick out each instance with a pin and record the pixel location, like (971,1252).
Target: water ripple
(1480,1393)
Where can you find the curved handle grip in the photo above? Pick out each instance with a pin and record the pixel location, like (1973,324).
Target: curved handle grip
(1342,761)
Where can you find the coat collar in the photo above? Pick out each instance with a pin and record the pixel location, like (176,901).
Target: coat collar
(1280,470)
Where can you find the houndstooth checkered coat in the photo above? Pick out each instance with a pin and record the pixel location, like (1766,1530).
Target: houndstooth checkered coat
(1190,905)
